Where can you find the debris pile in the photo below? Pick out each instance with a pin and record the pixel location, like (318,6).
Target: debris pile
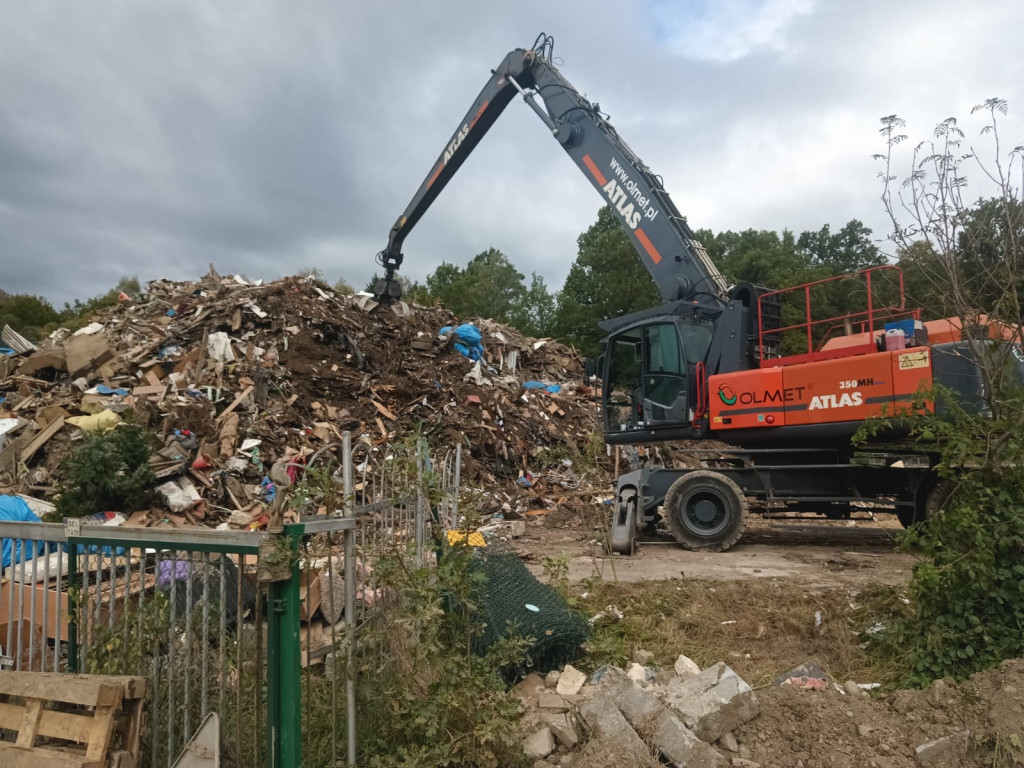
(238,378)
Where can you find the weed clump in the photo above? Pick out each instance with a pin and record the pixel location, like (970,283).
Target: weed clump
(426,695)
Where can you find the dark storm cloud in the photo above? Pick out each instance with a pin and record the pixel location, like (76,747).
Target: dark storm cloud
(152,138)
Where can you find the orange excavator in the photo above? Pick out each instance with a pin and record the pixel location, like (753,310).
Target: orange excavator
(780,399)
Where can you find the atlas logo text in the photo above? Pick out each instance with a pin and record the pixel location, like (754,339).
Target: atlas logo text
(463,132)
(618,197)
(845,400)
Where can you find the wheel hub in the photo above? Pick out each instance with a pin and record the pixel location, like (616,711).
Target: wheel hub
(705,511)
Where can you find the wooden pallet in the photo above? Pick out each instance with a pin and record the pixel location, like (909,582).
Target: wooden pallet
(69,721)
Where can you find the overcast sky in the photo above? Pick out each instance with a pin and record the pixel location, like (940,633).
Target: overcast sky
(151,138)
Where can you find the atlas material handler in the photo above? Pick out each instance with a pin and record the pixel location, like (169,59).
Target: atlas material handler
(715,363)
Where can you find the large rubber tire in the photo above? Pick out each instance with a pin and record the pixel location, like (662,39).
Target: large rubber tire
(706,511)
(931,499)
(938,498)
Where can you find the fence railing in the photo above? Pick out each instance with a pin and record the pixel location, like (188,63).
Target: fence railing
(34,611)
(187,609)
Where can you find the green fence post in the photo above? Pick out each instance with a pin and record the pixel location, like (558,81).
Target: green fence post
(284,689)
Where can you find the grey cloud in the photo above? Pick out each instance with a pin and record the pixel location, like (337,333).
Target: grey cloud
(152,138)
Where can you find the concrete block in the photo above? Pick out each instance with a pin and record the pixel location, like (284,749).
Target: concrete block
(686,668)
(570,681)
(541,744)
(662,727)
(637,672)
(714,702)
(552,701)
(562,727)
(607,725)
(529,688)
(938,751)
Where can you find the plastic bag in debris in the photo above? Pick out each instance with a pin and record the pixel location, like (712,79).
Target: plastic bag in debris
(218,347)
(181,495)
(470,340)
(103,421)
(13,509)
(476,375)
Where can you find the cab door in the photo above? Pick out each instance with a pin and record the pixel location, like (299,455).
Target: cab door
(664,396)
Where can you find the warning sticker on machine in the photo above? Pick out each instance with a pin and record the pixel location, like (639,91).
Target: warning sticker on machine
(916,359)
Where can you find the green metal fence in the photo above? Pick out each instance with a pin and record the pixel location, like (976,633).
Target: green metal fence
(187,609)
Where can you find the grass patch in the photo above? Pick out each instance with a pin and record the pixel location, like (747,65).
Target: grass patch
(759,628)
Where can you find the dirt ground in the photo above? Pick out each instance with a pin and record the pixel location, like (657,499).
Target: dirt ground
(816,552)
(978,722)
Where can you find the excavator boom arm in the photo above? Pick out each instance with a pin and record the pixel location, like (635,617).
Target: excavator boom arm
(677,262)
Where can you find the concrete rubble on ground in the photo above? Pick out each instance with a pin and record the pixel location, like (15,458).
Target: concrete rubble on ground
(244,382)
(622,720)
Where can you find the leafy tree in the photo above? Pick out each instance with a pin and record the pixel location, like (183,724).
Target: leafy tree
(848,250)
(344,287)
(315,272)
(129,285)
(443,284)
(607,279)
(989,249)
(921,269)
(416,292)
(966,613)
(27,314)
(761,257)
(535,314)
(491,286)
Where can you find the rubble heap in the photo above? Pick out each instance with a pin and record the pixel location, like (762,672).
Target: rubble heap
(639,717)
(235,376)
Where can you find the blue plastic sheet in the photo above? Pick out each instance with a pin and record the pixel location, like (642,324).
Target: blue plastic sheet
(103,389)
(14,509)
(552,388)
(269,489)
(469,340)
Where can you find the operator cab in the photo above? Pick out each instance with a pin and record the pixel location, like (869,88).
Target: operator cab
(649,372)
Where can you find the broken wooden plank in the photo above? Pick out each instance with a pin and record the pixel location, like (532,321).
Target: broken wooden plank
(154,393)
(41,439)
(237,401)
(87,690)
(384,410)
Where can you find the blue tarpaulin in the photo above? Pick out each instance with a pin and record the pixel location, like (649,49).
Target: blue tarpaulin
(16,510)
(552,388)
(470,340)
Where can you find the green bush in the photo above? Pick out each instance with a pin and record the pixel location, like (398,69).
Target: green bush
(425,698)
(967,594)
(107,471)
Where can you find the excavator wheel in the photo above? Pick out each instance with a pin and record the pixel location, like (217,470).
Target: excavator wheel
(706,511)
(931,501)
(624,524)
